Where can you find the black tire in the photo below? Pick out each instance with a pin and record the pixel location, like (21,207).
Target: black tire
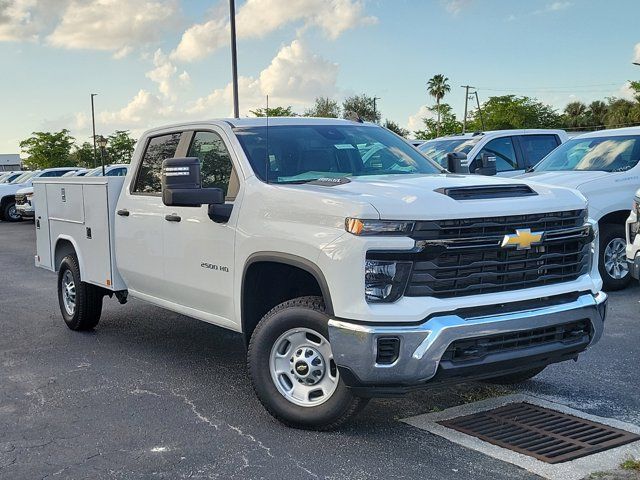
(609,233)
(88,298)
(302,312)
(9,213)
(517,377)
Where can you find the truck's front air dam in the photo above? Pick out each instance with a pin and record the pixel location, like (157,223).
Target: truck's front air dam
(497,343)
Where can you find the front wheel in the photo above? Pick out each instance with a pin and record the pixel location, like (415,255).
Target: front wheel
(80,302)
(612,261)
(9,212)
(292,368)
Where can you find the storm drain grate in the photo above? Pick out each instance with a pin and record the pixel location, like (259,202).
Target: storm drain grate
(547,435)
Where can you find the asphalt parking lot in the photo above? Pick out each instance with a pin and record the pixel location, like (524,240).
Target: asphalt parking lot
(152,394)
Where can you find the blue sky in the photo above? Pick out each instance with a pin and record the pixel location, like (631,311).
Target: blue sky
(159,61)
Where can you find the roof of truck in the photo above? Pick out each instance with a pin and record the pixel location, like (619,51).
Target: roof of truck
(500,133)
(614,132)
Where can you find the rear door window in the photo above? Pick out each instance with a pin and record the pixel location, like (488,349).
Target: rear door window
(149,178)
(215,160)
(54,173)
(536,147)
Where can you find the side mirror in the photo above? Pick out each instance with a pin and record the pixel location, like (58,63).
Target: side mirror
(457,162)
(487,165)
(181,184)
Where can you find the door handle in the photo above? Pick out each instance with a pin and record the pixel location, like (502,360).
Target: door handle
(172,218)
(123,212)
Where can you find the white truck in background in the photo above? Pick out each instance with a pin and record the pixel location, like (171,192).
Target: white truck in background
(605,167)
(352,265)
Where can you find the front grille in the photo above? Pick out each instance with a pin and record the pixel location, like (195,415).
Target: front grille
(466,257)
(479,347)
(21,199)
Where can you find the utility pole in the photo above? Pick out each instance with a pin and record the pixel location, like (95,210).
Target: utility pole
(93,121)
(466,100)
(375,112)
(234,57)
(479,110)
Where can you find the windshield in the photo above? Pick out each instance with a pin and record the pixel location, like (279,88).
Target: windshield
(303,153)
(96,172)
(23,178)
(438,149)
(607,154)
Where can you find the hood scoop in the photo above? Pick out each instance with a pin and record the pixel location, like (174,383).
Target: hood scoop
(482,192)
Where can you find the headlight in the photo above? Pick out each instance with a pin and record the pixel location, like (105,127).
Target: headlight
(356,226)
(385,281)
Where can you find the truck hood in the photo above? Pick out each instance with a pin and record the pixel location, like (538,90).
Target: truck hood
(564,178)
(415,197)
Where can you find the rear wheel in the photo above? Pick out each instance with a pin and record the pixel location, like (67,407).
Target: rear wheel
(517,377)
(80,302)
(612,261)
(292,368)
(9,212)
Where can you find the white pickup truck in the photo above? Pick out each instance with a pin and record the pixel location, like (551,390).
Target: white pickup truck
(352,265)
(605,167)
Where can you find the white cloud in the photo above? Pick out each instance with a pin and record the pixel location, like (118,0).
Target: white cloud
(112,25)
(18,20)
(555,6)
(257,18)
(294,77)
(144,108)
(626,92)
(636,53)
(163,73)
(454,7)
(414,122)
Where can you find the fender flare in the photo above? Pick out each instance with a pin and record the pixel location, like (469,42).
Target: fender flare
(73,243)
(295,261)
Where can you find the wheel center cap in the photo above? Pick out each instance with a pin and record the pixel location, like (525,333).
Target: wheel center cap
(302,368)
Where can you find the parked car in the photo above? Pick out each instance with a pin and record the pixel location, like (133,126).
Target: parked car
(633,238)
(115,170)
(514,150)
(347,281)
(604,167)
(78,173)
(8,211)
(8,177)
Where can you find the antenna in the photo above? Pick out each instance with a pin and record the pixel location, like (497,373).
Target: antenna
(267,163)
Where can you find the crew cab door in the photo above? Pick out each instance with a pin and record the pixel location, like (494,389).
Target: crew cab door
(503,148)
(140,220)
(198,252)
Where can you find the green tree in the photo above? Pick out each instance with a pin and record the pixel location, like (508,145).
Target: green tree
(597,114)
(449,124)
(511,111)
(324,107)
(83,155)
(395,128)
(363,106)
(120,147)
(48,150)
(274,112)
(622,113)
(575,114)
(438,87)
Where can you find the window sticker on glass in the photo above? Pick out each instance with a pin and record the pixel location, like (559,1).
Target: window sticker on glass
(345,146)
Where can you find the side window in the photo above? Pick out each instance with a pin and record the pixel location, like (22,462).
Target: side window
(215,161)
(160,148)
(502,149)
(536,147)
(117,172)
(54,173)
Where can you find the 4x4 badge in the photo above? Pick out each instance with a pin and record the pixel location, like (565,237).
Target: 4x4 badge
(523,239)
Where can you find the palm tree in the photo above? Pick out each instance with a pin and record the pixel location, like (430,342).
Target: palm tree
(437,87)
(574,113)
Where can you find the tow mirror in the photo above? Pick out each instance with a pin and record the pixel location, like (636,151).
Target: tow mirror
(487,165)
(181,185)
(457,162)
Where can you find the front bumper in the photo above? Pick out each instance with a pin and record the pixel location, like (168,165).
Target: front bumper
(25,210)
(634,267)
(422,346)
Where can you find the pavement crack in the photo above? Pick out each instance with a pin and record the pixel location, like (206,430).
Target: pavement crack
(251,438)
(195,411)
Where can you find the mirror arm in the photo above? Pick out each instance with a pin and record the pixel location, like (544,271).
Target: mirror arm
(220,212)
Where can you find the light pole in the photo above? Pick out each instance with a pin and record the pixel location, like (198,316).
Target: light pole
(102,143)
(234,57)
(375,111)
(93,122)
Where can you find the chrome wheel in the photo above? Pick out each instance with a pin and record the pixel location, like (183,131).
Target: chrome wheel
(68,288)
(615,259)
(302,367)
(13,213)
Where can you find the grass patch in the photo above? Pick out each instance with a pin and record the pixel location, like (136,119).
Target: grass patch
(631,464)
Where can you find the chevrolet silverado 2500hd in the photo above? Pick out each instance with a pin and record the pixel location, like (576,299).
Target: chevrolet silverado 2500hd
(353,265)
